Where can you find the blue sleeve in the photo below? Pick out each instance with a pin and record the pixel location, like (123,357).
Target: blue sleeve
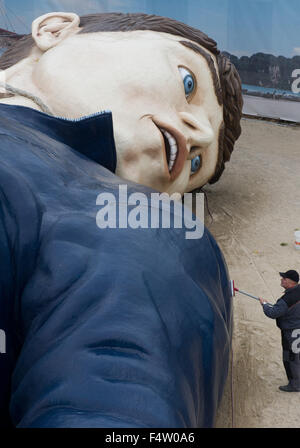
(277,310)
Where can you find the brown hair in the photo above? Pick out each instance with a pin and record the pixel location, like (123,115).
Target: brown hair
(228,88)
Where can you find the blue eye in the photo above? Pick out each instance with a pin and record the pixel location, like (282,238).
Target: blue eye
(196,164)
(188,84)
(188,81)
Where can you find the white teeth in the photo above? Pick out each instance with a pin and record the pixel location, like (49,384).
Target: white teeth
(173,148)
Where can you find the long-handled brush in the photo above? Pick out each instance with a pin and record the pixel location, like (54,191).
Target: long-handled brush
(234,289)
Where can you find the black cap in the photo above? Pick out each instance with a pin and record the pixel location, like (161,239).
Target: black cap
(292,275)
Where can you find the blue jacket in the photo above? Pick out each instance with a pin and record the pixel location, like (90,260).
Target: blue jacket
(104,327)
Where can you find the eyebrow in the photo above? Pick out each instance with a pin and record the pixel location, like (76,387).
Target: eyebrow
(211,66)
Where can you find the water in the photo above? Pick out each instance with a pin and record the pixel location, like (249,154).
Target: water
(269,90)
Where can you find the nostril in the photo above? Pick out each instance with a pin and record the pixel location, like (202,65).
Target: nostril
(189,120)
(190,125)
(201,131)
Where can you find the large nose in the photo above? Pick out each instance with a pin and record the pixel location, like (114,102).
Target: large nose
(197,130)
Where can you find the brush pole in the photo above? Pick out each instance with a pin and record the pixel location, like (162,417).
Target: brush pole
(247,294)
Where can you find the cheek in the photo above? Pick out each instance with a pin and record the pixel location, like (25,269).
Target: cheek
(138,150)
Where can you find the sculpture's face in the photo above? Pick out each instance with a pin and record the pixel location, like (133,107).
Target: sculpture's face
(161,94)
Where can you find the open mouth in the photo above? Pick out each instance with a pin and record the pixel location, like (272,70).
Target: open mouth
(175,148)
(171,148)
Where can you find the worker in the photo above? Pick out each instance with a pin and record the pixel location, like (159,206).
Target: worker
(286,311)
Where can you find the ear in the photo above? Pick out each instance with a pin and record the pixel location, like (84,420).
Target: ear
(50,29)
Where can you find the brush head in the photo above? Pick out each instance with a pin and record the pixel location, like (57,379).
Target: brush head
(232,288)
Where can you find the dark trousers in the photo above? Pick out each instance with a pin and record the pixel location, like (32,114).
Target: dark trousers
(291,359)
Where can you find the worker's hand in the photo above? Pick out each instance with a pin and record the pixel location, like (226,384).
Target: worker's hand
(262,301)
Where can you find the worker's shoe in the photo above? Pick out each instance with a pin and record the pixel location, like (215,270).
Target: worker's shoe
(288,388)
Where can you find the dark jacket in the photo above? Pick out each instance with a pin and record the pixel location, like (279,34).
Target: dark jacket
(105,327)
(286,311)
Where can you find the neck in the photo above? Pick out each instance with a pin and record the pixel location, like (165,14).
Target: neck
(19,75)
(24,98)
(292,286)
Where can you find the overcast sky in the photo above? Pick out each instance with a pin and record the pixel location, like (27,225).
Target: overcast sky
(242,27)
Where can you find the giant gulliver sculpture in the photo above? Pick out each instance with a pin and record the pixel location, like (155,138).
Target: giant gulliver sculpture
(111,327)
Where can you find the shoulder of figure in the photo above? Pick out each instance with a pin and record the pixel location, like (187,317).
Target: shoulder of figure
(291,299)
(284,298)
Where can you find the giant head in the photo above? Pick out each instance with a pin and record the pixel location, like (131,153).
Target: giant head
(175,99)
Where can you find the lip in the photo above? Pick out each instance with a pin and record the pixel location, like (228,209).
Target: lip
(182,151)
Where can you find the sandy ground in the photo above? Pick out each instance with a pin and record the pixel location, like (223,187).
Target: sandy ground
(255,208)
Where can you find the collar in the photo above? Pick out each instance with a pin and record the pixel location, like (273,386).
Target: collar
(91,135)
(292,288)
